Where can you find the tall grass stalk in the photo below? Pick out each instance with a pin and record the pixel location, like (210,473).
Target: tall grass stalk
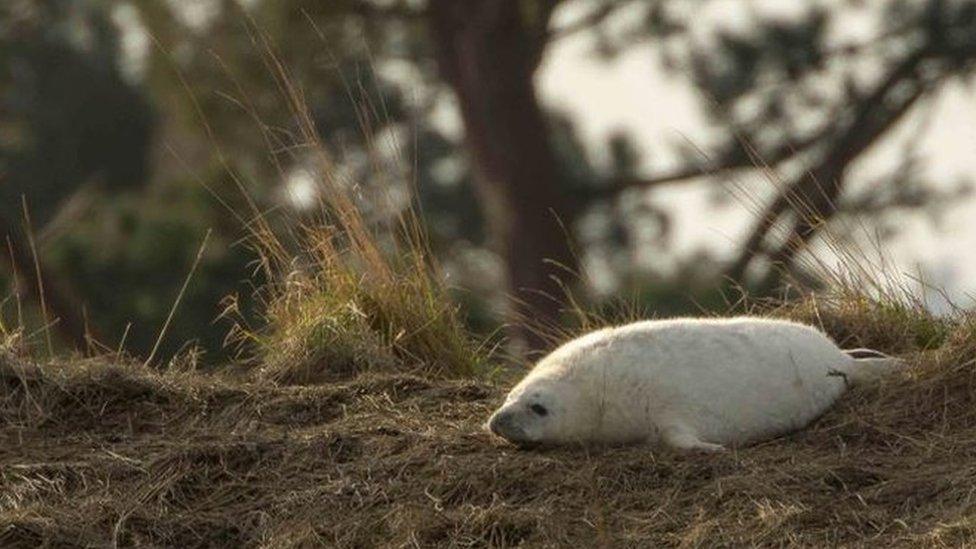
(345,293)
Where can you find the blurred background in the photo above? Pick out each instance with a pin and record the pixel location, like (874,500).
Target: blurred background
(662,150)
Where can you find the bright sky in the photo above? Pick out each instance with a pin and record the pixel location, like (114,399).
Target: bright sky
(634,94)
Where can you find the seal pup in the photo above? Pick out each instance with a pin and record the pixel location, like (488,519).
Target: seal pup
(695,384)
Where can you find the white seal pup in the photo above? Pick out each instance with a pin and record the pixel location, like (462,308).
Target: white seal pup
(690,384)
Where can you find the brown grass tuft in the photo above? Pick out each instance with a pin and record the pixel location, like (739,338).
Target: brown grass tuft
(349,292)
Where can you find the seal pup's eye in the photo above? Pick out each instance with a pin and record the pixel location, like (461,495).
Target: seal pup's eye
(539,409)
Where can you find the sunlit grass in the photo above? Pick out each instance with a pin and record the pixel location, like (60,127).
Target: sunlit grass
(335,320)
(346,294)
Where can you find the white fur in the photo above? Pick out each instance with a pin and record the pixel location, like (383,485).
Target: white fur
(692,384)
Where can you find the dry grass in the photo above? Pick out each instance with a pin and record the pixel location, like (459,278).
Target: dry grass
(348,292)
(331,321)
(95,453)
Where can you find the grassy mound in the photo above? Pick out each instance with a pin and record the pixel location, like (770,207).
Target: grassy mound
(96,453)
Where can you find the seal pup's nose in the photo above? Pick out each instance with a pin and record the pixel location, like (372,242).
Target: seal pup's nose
(494,423)
(503,424)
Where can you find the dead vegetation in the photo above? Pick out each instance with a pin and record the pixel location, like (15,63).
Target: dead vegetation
(101,453)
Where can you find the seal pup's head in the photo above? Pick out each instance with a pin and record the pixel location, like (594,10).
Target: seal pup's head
(542,410)
(555,403)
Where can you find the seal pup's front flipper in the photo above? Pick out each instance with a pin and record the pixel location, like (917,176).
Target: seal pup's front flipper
(684,439)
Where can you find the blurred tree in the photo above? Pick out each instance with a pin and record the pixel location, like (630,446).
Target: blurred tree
(488,51)
(75,136)
(784,91)
(790,94)
(67,120)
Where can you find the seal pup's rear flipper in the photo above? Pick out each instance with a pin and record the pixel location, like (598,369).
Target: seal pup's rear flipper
(869,365)
(863,352)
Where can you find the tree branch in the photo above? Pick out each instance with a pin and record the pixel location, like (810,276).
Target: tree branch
(813,196)
(588,21)
(743,160)
(366,8)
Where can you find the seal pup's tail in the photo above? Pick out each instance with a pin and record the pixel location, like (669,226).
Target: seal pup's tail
(868,365)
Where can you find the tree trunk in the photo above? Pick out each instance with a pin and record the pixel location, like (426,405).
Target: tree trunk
(488,51)
(57,299)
